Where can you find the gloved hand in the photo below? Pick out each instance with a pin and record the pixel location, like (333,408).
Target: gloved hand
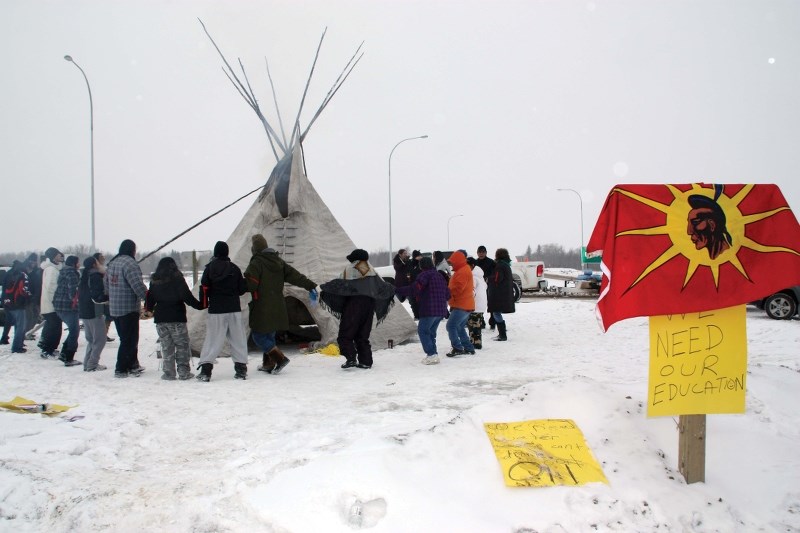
(313,296)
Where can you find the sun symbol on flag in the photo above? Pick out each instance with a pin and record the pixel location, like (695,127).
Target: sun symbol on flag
(706,227)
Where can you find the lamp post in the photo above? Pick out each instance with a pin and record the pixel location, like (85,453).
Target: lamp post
(91,137)
(390,190)
(581,203)
(448,229)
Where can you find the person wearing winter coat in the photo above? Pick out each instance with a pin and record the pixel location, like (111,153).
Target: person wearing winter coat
(65,303)
(462,303)
(166,299)
(402,265)
(414,271)
(15,294)
(33,313)
(221,286)
(354,297)
(51,331)
(91,299)
(266,275)
(431,293)
(501,292)
(475,321)
(126,290)
(101,266)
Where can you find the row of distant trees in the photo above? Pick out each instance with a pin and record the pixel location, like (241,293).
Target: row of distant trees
(83,251)
(553,255)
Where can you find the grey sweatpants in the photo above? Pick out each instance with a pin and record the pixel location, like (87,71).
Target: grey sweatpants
(222,326)
(94,329)
(174,338)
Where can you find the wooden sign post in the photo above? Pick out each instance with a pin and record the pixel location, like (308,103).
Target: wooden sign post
(692,447)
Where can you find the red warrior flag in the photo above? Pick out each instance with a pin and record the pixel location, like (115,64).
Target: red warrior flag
(670,249)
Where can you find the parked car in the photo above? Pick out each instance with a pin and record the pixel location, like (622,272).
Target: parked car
(782,305)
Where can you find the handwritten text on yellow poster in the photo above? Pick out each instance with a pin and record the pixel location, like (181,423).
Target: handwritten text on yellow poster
(541,453)
(698,363)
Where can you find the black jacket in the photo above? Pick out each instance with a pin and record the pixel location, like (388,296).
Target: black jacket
(167,299)
(221,285)
(501,289)
(487,264)
(90,295)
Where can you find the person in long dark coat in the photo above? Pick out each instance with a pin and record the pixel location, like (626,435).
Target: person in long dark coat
(501,291)
(354,297)
(402,270)
(265,276)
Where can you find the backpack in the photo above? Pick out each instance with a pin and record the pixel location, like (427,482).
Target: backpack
(14,294)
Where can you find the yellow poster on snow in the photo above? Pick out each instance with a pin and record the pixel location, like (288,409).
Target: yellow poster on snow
(542,453)
(698,363)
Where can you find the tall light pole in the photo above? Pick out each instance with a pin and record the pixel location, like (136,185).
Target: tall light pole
(91,137)
(448,229)
(391,250)
(581,201)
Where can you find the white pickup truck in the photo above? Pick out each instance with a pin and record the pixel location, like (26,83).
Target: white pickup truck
(528,276)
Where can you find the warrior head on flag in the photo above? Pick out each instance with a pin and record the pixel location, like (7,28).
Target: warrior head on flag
(670,249)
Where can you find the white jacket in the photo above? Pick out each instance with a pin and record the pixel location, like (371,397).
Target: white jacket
(50,272)
(481,299)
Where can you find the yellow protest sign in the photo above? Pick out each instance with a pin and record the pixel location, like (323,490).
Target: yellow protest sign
(541,453)
(23,405)
(698,363)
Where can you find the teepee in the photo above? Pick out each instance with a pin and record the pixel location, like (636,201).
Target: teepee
(294,219)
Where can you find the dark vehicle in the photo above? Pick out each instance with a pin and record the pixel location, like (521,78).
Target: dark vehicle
(782,305)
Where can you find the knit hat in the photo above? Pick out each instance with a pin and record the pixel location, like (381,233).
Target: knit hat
(89,262)
(221,249)
(51,253)
(72,261)
(415,254)
(481,248)
(358,255)
(259,243)
(127,247)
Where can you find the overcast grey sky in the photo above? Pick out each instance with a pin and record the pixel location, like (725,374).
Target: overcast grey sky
(518,99)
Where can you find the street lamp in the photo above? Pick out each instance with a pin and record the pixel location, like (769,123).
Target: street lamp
(91,137)
(448,229)
(390,190)
(581,201)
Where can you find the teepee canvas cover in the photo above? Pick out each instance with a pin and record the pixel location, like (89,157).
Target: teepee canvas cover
(291,215)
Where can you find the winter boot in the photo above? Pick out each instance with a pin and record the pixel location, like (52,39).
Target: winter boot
(350,363)
(205,372)
(501,328)
(280,360)
(69,359)
(241,370)
(268,362)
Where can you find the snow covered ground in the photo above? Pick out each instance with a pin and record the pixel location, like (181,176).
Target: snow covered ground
(293,452)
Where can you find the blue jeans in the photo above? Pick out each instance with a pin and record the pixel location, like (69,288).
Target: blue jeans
(498,318)
(426,329)
(16,318)
(70,318)
(265,341)
(457,330)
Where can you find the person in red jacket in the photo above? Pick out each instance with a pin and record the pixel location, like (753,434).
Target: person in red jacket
(462,303)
